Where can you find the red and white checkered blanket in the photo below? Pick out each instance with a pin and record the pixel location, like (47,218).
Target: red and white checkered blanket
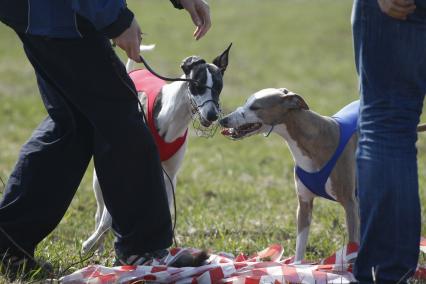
(263,267)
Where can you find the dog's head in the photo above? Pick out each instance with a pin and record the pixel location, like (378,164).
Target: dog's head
(261,111)
(206,99)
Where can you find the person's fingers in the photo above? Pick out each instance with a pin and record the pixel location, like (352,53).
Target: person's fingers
(398,9)
(403,9)
(194,15)
(131,47)
(200,14)
(137,46)
(403,3)
(396,15)
(204,12)
(203,31)
(130,41)
(384,5)
(196,32)
(135,52)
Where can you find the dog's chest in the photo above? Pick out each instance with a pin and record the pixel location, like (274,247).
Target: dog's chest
(150,86)
(317,181)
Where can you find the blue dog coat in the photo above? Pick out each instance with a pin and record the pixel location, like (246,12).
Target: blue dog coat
(347,119)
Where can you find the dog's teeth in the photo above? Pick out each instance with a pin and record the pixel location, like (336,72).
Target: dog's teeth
(228,131)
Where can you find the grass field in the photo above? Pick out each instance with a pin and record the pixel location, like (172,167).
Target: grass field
(231,196)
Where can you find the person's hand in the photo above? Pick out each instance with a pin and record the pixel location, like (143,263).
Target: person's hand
(200,14)
(398,9)
(130,41)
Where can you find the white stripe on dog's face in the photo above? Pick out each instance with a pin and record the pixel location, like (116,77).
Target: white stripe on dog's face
(248,112)
(244,121)
(242,115)
(200,99)
(265,93)
(206,98)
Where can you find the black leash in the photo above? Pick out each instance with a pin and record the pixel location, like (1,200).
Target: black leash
(195,82)
(2,182)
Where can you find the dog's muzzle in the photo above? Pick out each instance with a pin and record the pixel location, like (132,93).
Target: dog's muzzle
(205,127)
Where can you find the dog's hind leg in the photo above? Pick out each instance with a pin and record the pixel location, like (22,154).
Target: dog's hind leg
(99,199)
(304,217)
(98,236)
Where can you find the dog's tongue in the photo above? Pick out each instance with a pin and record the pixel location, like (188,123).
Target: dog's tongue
(227,131)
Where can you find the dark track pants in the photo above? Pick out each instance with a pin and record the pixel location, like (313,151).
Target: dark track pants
(92,112)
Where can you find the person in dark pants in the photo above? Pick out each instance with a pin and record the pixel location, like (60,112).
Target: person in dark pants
(390,52)
(92,112)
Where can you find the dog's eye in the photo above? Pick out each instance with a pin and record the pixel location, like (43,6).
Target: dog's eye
(254,107)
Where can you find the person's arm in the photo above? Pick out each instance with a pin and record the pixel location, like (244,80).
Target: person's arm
(130,39)
(111,17)
(117,22)
(398,9)
(114,20)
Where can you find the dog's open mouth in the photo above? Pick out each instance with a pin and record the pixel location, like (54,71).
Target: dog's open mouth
(240,132)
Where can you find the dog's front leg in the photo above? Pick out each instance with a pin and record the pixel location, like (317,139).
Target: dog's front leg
(170,183)
(171,168)
(304,216)
(352,219)
(103,221)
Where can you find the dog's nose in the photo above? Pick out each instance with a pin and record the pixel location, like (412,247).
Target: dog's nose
(212,115)
(224,121)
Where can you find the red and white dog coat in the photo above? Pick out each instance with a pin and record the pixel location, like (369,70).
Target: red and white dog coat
(146,82)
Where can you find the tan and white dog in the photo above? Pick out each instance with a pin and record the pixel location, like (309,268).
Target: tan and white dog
(312,139)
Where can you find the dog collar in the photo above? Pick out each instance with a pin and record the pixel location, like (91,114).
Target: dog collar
(270,131)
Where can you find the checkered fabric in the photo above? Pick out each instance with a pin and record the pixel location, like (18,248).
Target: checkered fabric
(264,267)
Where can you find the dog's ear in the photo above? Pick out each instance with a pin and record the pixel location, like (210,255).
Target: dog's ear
(189,63)
(293,101)
(222,60)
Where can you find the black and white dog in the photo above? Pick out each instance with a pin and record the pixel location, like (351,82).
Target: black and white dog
(169,109)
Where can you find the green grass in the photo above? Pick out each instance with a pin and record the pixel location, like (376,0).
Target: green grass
(231,196)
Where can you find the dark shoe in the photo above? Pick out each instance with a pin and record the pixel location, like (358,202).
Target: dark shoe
(187,259)
(13,267)
(140,259)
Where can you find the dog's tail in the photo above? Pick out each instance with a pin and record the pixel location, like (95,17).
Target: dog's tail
(130,65)
(421,127)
